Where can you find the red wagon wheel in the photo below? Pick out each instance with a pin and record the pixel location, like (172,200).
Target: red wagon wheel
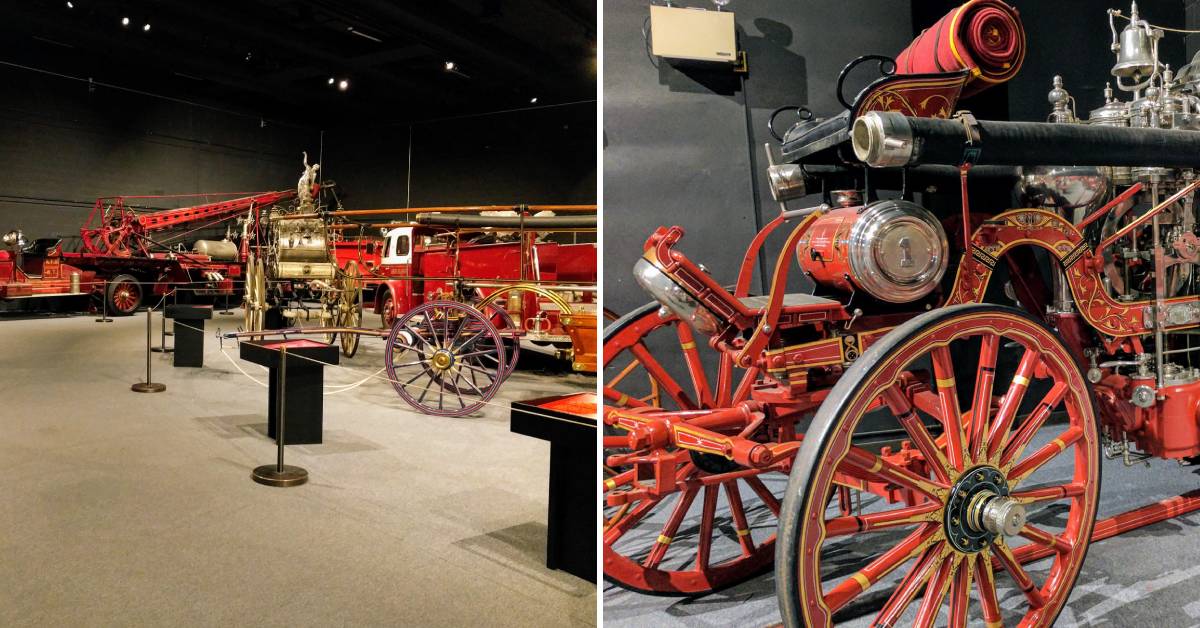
(718,528)
(1000,480)
(124,295)
(445,358)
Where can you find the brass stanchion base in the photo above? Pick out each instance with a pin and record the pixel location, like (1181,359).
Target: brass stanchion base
(163,349)
(104,320)
(148,387)
(270,475)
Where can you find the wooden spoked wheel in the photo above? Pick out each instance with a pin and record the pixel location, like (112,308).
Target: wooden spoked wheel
(718,528)
(350,307)
(999,482)
(508,329)
(445,358)
(254,299)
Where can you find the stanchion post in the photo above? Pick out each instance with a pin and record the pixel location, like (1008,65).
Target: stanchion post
(148,386)
(163,333)
(280,474)
(104,304)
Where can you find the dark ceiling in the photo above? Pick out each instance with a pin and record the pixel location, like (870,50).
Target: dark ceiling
(275,57)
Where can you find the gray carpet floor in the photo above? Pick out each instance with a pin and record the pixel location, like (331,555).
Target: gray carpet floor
(1148,577)
(127,509)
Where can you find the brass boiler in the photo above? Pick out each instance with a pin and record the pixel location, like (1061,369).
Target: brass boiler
(301,250)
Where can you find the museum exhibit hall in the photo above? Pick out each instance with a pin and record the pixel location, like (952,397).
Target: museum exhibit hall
(892,286)
(299,313)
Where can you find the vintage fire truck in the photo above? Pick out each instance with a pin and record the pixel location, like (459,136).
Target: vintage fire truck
(920,435)
(457,291)
(124,255)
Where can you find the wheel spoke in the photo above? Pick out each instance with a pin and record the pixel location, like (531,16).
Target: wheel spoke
(667,535)
(907,591)
(707,516)
(668,383)
(621,399)
(1048,493)
(903,409)
(621,526)
(873,521)
(986,580)
(912,545)
(763,493)
(1014,569)
(691,357)
(998,435)
(956,442)
(1016,445)
(981,403)
(1042,537)
(1045,454)
(935,592)
(960,592)
(871,465)
(741,526)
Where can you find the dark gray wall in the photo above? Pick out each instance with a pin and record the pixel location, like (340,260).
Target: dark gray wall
(533,156)
(685,147)
(62,145)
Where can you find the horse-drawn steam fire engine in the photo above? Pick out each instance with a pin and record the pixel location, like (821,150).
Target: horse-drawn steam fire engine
(896,441)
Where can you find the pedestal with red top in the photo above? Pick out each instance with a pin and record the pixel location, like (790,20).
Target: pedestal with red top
(569,423)
(189,332)
(305,378)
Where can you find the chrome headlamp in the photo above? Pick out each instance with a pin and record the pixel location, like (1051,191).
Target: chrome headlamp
(675,298)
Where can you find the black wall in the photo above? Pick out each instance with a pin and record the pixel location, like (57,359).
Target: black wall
(62,145)
(533,156)
(685,147)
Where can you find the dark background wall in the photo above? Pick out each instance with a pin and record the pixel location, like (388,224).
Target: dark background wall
(532,156)
(686,148)
(62,145)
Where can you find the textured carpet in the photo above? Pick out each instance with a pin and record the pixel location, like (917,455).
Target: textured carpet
(118,508)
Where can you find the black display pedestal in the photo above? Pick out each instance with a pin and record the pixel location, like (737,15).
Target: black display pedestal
(303,388)
(571,523)
(189,333)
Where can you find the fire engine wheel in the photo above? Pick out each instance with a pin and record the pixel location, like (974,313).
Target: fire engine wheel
(503,324)
(445,358)
(254,301)
(387,310)
(997,488)
(718,529)
(124,295)
(350,308)
(508,329)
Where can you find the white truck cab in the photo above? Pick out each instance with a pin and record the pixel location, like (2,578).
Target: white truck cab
(398,248)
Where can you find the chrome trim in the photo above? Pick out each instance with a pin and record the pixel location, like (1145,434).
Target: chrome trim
(882,139)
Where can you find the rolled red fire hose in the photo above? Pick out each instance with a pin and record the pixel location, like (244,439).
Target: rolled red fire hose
(984,36)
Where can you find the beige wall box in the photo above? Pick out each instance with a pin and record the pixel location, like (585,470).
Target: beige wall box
(693,34)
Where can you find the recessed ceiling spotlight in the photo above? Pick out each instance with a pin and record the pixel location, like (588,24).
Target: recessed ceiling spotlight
(332,80)
(124,21)
(146,27)
(533,101)
(343,85)
(70,5)
(450,66)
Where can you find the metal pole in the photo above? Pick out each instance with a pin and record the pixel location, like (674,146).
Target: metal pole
(163,333)
(281,406)
(280,474)
(104,305)
(148,386)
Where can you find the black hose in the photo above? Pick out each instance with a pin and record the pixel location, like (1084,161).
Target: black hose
(939,141)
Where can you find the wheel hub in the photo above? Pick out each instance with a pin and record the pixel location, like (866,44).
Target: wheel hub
(442,359)
(979,510)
